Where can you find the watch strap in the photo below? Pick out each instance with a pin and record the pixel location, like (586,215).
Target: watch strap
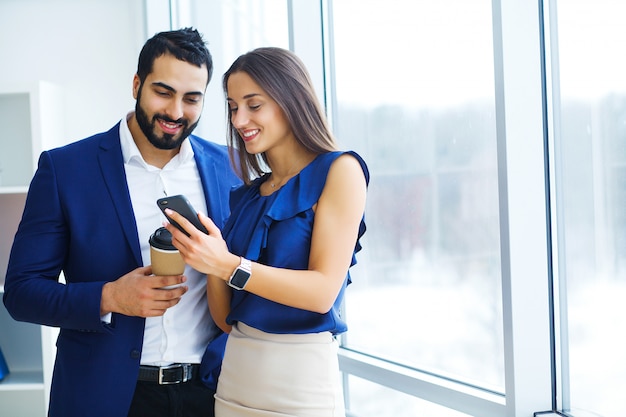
(241,274)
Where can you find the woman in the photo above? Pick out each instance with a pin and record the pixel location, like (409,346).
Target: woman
(276,280)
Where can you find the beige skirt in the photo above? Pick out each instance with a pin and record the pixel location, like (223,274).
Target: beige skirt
(273,375)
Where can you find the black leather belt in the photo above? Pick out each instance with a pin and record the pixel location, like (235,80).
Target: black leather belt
(176,373)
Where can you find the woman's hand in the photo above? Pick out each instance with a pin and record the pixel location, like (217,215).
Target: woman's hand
(206,253)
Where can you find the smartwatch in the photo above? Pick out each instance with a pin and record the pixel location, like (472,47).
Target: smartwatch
(241,275)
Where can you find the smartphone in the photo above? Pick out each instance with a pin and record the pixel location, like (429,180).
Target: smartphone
(181,205)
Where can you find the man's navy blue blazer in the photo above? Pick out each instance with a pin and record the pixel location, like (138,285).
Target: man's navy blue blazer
(79,219)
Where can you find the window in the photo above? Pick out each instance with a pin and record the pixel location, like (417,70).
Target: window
(365,400)
(415,97)
(454,283)
(590,183)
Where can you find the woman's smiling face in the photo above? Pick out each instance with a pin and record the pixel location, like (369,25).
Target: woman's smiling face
(260,121)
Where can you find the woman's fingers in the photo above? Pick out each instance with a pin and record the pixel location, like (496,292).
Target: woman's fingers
(210,226)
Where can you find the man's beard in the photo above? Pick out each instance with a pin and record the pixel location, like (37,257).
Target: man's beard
(148,127)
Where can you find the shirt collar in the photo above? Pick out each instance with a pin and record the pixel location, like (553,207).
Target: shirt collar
(130,151)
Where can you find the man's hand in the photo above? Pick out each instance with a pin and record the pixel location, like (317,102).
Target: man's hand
(139,293)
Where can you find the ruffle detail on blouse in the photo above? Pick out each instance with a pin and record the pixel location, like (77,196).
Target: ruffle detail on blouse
(297,196)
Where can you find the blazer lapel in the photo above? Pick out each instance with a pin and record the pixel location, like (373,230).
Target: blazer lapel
(217,208)
(112,168)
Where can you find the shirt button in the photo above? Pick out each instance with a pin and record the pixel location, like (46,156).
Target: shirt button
(135,354)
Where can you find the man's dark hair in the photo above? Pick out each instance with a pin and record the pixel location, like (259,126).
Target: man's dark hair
(184,44)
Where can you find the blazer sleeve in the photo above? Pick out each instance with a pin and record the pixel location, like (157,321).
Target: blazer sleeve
(33,292)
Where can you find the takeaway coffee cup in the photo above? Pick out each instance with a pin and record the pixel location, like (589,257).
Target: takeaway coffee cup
(165,258)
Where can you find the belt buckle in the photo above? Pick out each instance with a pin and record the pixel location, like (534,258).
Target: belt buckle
(165,368)
(186,373)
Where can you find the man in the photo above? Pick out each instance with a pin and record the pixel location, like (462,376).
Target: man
(126,346)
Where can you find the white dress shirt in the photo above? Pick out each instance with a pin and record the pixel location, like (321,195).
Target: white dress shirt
(183,332)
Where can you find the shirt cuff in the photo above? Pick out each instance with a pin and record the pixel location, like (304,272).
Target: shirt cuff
(106,319)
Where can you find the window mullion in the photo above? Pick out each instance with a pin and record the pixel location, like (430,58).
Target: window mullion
(524,226)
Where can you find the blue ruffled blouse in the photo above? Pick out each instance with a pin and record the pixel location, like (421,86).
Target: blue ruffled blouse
(276,230)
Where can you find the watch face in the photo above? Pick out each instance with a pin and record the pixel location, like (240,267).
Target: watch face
(239,279)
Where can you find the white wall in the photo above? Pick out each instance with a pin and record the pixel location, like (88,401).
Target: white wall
(88,47)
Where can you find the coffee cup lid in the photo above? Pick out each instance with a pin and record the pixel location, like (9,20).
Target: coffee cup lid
(161,239)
